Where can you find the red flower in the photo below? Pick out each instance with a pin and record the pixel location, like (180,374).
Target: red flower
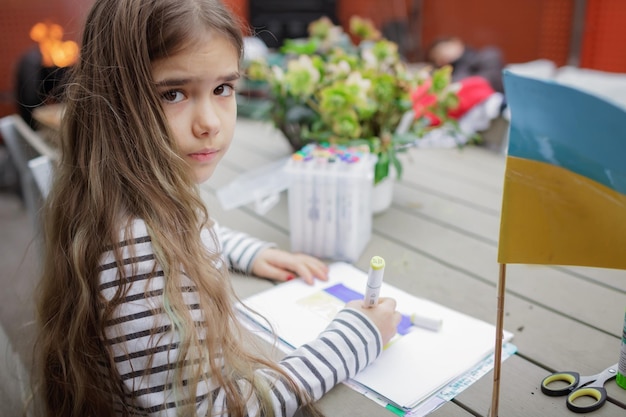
(422,100)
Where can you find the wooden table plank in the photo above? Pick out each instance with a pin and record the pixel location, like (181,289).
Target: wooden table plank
(424,175)
(520,394)
(259,143)
(476,255)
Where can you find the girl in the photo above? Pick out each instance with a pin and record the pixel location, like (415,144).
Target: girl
(135,307)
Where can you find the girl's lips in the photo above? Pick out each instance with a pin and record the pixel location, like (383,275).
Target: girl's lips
(204,155)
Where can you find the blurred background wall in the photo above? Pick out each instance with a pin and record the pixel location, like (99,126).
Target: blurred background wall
(586,33)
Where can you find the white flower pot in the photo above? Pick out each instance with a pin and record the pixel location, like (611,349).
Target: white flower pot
(382,193)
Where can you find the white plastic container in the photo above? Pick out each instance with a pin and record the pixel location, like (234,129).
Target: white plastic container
(330,197)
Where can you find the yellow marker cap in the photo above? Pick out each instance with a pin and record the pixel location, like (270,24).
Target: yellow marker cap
(377,263)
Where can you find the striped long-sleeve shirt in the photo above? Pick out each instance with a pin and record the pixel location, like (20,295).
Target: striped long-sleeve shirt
(144,363)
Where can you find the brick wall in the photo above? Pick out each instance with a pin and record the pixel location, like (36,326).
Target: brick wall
(605,36)
(523,29)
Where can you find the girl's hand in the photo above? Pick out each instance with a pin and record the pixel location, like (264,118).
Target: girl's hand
(279,265)
(384,316)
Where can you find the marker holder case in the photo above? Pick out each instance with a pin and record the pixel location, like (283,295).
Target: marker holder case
(330,211)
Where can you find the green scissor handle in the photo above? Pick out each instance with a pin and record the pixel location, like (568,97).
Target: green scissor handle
(577,386)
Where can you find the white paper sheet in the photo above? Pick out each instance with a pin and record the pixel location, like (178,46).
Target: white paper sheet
(414,365)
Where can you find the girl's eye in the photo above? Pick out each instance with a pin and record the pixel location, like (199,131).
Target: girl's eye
(224,90)
(173,96)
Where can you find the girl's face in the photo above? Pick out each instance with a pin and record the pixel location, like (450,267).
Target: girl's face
(197,90)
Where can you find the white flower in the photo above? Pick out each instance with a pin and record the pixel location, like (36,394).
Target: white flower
(334,36)
(278,74)
(355,78)
(369,59)
(302,77)
(362,87)
(338,69)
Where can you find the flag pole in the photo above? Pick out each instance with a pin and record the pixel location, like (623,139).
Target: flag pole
(497,356)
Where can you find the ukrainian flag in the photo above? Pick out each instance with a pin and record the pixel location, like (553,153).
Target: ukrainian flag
(564,200)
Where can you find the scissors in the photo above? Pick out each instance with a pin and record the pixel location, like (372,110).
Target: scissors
(580,386)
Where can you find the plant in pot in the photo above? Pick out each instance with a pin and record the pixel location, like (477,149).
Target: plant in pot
(352,88)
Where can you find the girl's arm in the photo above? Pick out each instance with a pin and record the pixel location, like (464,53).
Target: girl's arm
(345,347)
(262,259)
(238,249)
(144,344)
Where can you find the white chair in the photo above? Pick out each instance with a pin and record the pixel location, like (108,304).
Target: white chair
(25,148)
(41,168)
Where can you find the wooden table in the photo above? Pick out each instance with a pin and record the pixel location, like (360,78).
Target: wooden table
(439,240)
(48,118)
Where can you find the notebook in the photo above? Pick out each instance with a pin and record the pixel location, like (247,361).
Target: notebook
(415,365)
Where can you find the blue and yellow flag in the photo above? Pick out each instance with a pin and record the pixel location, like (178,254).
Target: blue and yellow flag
(564,200)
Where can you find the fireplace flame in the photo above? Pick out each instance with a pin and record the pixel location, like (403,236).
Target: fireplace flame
(54,51)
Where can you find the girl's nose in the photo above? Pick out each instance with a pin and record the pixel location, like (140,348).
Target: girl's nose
(206,120)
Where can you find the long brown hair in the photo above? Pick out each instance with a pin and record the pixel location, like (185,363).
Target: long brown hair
(119,162)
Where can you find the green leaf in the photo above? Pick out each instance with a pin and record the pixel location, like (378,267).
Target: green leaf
(404,138)
(299,46)
(396,163)
(381,169)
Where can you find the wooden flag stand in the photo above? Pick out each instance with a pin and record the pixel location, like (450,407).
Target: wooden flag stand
(580,184)
(497,355)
